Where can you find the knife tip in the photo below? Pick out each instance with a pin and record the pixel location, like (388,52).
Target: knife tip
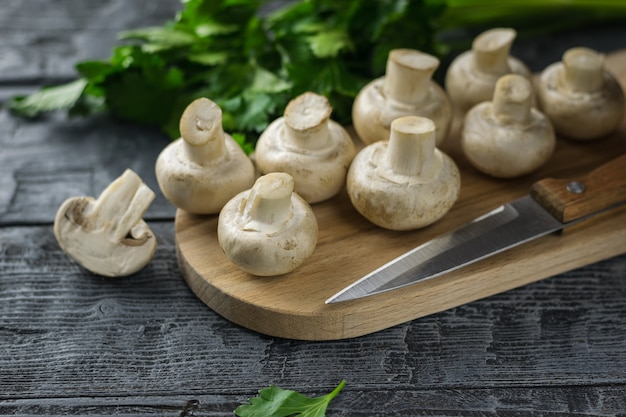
(334,299)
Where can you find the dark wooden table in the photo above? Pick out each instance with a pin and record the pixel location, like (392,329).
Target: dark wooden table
(73,343)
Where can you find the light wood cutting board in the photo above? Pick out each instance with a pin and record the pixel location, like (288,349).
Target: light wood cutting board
(292,305)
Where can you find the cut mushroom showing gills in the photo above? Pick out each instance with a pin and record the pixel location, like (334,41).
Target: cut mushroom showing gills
(404,183)
(507,137)
(107,235)
(581,97)
(406,89)
(205,168)
(306,144)
(268,230)
(472,76)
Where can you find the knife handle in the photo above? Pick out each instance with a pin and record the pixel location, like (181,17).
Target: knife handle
(571,199)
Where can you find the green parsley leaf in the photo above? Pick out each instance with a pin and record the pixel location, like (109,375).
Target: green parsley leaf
(251,57)
(49,99)
(329,43)
(277,402)
(159,38)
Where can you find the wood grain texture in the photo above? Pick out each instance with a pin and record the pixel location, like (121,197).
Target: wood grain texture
(574,198)
(75,344)
(42,40)
(349,247)
(46,161)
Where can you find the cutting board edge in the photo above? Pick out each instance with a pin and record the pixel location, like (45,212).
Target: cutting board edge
(332,322)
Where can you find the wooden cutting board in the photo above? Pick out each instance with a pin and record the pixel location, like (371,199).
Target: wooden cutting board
(292,305)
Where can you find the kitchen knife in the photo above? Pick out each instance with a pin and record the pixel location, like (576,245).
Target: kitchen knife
(552,205)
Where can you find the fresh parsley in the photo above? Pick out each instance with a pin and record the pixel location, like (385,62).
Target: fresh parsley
(277,402)
(252,56)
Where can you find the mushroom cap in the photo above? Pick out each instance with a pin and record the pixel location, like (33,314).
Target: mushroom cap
(373,109)
(203,188)
(395,204)
(107,236)
(274,249)
(468,82)
(306,144)
(506,150)
(575,113)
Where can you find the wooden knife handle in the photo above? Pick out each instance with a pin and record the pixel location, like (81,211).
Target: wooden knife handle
(571,199)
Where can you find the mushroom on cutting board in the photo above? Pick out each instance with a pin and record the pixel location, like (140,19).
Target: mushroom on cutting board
(507,137)
(581,97)
(471,77)
(406,89)
(306,144)
(107,235)
(205,168)
(269,229)
(404,183)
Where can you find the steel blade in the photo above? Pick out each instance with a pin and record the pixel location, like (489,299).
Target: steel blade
(505,227)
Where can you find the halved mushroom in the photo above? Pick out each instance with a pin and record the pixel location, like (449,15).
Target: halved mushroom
(107,235)
(581,97)
(306,144)
(269,229)
(205,168)
(406,89)
(507,137)
(404,183)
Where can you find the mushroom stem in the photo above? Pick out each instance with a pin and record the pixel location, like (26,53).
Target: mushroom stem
(202,132)
(268,207)
(411,145)
(126,200)
(583,70)
(306,121)
(491,50)
(512,99)
(408,75)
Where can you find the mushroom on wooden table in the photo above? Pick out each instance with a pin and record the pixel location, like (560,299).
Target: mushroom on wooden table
(406,182)
(107,235)
(406,89)
(472,76)
(206,167)
(581,97)
(269,229)
(305,143)
(507,137)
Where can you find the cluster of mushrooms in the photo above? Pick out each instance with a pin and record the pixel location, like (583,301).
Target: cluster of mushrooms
(399,180)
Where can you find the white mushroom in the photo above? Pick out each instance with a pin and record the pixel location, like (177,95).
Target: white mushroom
(406,182)
(107,236)
(471,77)
(269,229)
(306,144)
(581,97)
(406,89)
(507,137)
(205,168)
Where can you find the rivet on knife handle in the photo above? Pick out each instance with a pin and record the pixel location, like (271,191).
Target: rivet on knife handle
(571,199)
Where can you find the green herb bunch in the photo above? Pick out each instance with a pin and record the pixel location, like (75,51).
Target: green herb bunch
(252,56)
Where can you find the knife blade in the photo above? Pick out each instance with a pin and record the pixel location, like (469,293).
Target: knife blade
(551,205)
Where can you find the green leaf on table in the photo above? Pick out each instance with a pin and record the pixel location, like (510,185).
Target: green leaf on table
(49,98)
(277,402)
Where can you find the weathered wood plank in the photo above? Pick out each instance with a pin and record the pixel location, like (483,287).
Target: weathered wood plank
(75,344)
(597,401)
(43,162)
(42,39)
(67,331)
